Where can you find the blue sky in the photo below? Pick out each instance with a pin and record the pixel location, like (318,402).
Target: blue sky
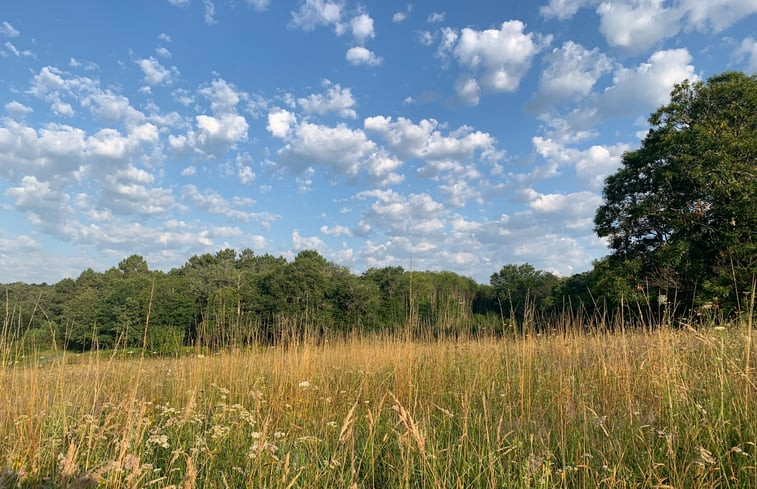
(440,135)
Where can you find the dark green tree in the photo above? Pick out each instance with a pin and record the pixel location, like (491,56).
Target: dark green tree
(521,289)
(682,209)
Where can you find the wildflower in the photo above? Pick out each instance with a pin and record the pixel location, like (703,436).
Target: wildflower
(304,384)
(331,424)
(217,432)
(159,440)
(279,434)
(719,328)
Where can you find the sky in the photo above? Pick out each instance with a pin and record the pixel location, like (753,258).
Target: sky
(432,135)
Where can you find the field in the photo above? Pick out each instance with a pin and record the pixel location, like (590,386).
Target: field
(659,408)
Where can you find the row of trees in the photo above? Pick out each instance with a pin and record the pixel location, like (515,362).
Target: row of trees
(679,216)
(235,298)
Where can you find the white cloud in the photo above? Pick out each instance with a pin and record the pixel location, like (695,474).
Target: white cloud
(362,28)
(314,13)
(45,205)
(425,140)
(498,58)
(592,165)
(259,5)
(337,231)
(17,52)
(399,17)
(639,25)
(223,96)
(412,215)
(155,73)
(164,37)
(571,73)
(179,3)
(436,17)
(381,166)
(564,9)
(648,85)
(112,107)
(189,171)
(218,133)
(335,99)
(339,149)
(212,202)
(210,12)
(747,51)
(280,122)
(575,210)
(716,14)
(17,108)
(300,242)
(468,90)
(163,52)
(7,30)
(55,151)
(359,55)
(129,190)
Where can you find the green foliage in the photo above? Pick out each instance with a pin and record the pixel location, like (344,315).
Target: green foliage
(682,206)
(521,288)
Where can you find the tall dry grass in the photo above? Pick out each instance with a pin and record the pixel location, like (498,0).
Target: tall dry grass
(660,408)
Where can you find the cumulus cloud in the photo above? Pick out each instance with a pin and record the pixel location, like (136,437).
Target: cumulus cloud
(633,92)
(746,52)
(564,9)
(315,13)
(112,107)
(336,231)
(717,15)
(339,149)
(425,140)
(212,202)
(17,109)
(155,73)
(130,190)
(300,242)
(414,215)
(52,151)
(223,96)
(45,206)
(592,165)
(359,55)
(436,17)
(335,99)
(639,25)
(362,28)
(571,73)
(497,58)
(280,122)
(217,134)
(647,85)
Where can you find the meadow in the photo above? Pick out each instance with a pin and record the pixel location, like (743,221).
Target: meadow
(662,407)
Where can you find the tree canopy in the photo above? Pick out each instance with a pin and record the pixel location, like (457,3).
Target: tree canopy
(680,212)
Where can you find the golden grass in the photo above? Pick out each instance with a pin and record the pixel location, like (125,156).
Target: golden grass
(643,409)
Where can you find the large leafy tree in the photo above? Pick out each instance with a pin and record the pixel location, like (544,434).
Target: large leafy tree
(681,210)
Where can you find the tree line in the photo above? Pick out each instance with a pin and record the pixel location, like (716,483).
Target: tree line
(679,217)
